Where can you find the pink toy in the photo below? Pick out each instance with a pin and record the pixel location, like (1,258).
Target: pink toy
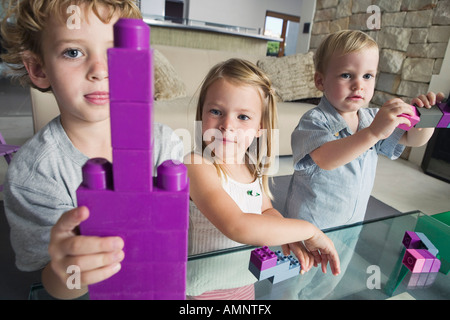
(414,119)
(421,261)
(123,200)
(438,116)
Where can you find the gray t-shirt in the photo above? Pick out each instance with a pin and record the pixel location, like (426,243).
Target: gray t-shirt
(41,184)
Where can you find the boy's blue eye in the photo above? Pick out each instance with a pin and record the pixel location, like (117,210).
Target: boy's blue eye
(368,76)
(345,76)
(72,53)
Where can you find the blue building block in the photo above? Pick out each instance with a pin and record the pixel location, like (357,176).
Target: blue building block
(427,244)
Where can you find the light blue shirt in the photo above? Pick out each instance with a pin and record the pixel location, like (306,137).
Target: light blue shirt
(330,198)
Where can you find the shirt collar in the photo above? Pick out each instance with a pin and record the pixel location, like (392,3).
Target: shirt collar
(335,120)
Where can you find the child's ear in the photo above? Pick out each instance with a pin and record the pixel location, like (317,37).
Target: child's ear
(318,81)
(35,70)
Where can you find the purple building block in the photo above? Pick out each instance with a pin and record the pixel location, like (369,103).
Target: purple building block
(414,119)
(122,198)
(263,258)
(411,240)
(445,120)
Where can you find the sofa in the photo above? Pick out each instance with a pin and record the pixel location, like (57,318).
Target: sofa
(178,75)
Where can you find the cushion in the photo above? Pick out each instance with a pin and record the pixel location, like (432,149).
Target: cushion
(292,76)
(168,84)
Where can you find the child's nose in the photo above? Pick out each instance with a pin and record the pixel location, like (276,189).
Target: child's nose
(357,85)
(226,124)
(98,70)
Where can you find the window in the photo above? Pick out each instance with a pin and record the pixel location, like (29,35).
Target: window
(282,26)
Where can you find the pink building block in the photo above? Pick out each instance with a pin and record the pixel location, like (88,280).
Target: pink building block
(151,215)
(421,261)
(414,119)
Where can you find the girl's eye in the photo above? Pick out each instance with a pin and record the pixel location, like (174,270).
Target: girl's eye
(345,76)
(215,112)
(243,117)
(72,53)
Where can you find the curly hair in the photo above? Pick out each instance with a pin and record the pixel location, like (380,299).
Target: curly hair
(24,20)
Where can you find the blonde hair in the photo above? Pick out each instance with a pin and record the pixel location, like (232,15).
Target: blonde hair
(242,72)
(342,43)
(24,21)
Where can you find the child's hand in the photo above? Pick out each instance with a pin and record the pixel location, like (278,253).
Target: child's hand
(428,100)
(98,257)
(305,257)
(323,251)
(387,118)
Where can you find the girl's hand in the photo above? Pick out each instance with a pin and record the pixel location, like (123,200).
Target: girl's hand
(305,257)
(324,252)
(98,258)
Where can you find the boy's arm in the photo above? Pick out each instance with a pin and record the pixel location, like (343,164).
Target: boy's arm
(334,154)
(339,152)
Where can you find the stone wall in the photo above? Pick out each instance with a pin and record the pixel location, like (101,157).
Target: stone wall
(412,36)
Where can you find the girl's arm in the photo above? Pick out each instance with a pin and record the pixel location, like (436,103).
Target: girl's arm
(253,229)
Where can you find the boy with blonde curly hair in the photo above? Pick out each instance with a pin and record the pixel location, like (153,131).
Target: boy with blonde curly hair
(60,46)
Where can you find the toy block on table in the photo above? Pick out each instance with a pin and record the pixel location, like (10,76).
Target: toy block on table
(427,244)
(421,261)
(123,198)
(418,240)
(262,265)
(411,240)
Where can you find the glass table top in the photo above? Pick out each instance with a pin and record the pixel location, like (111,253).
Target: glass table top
(371,268)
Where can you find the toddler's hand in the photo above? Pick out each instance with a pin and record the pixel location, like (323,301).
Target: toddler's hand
(324,252)
(387,118)
(428,100)
(97,257)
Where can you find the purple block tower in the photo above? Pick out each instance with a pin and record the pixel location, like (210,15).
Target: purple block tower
(151,215)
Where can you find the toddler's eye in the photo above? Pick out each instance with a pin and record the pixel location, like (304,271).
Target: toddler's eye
(72,53)
(368,76)
(345,76)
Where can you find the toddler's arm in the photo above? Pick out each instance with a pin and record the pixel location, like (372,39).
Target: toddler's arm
(98,258)
(417,137)
(339,152)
